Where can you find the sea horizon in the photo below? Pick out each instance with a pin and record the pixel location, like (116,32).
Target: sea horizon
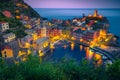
(77,11)
(76,8)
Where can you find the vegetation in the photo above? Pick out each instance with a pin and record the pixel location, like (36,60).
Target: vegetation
(16,10)
(13,23)
(19,32)
(25,9)
(34,69)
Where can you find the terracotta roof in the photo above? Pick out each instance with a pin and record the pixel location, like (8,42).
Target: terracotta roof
(7,13)
(6,47)
(41,40)
(2,22)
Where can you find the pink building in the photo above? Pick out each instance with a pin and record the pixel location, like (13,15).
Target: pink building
(7,13)
(90,35)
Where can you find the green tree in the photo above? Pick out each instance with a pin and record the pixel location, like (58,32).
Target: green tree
(114,71)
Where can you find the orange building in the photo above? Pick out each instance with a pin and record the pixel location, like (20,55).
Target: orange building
(6,52)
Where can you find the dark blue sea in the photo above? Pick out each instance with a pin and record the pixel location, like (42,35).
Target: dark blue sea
(67,52)
(113,15)
(59,52)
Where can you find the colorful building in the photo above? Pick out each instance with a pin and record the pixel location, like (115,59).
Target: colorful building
(77,34)
(4,26)
(9,37)
(30,31)
(6,52)
(38,31)
(89,35)
(42,43)
(56,32)
(44,32)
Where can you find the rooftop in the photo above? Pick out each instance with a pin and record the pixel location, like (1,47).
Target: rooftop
(6,47)
(7,35)
(42,39)
(7,13)
(30,31)
(1,22)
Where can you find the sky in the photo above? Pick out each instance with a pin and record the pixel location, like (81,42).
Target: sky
(73,3)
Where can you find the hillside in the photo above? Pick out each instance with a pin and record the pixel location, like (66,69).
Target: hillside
(14,12)
(17,7)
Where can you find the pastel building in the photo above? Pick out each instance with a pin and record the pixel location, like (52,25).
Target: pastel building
(44,32)
(8,37)
(4,26)
(27,38)
(26,41)
(77,34)
(38,31)
(42,45)
(54,32)
(30,31)
(89,35)
(6,52)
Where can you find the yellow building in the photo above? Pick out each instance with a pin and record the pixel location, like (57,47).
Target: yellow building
(6,52)
(28,26)
(18,4)
(17,11)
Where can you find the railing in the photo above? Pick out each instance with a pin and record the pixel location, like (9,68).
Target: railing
(103,52)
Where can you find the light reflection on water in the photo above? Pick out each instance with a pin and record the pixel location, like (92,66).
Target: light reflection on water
(71,51)
(81,47)
(72,46)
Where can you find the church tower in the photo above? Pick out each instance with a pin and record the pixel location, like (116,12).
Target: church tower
(95,13)
(43,32)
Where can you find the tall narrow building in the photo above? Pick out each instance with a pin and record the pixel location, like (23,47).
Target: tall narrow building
(44,32)
(95,13)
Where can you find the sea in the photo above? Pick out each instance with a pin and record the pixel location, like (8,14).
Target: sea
(113,15)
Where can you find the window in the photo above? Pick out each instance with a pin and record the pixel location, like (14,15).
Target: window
(2,24)
(3,28)
(5,55)
(7,27)
(6,40)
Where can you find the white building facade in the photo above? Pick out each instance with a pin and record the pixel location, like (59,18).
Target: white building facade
(9,37)
(4,26)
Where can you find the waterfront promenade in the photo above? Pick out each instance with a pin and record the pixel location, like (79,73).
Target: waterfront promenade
(98,50)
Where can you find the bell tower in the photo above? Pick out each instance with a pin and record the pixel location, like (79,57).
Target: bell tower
(95,13)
